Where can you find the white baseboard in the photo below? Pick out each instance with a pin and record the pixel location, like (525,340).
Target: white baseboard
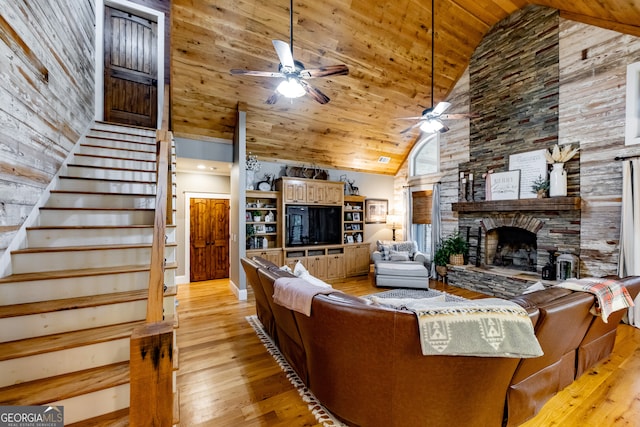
(241,294)
(182,280)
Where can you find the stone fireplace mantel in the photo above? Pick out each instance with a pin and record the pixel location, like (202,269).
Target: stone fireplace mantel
(549,203)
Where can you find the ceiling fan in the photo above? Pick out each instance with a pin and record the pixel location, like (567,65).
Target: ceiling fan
(431,119)
(293,73)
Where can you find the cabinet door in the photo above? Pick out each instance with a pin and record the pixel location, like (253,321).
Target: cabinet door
(275,256)
(356,260)
(316,192)
(291,262)
(317,266)
(334,194)
(295,192)
(335,266)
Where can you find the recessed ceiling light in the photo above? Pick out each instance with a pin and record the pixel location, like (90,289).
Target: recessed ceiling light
(201,167)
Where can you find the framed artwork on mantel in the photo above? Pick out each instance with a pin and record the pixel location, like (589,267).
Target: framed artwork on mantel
(532,165)
(375,211)
(505,185)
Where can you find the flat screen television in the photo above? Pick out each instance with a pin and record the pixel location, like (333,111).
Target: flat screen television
(313,225)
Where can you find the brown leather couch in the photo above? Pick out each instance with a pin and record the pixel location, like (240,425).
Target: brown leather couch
(364,363)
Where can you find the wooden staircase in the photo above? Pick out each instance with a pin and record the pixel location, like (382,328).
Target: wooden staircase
(80,284)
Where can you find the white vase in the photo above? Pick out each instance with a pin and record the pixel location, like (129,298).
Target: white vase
(558,180)
(251,176)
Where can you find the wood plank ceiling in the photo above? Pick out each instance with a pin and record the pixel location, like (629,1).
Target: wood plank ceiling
(386,45)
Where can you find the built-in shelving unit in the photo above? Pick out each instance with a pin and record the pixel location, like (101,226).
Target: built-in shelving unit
(353,214)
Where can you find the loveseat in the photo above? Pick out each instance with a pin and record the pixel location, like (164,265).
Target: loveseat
(364,362)
(400,264)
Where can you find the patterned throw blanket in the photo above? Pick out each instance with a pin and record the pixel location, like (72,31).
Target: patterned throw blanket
(610,294)
(490,327)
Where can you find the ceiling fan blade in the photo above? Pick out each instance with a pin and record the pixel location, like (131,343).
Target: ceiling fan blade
(329,70)
(413,126)
(237,72)
(410,118)
(315,93)
(284,54)
(459,116)
(440,108)
(275,96)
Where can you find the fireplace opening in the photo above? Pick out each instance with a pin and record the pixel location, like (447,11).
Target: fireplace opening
(512,247)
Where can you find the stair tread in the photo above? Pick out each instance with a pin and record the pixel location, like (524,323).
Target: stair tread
(63,274)
(128,181)
(102,193)
(75,165)
(112,147)
(123,126)
(71,208)
(113,419)
(31,308)
(45,344)
(93,227)
(65,386)
(114,157)
(111,138)
(33,250)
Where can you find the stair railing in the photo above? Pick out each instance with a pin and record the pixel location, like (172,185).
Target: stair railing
(151,347)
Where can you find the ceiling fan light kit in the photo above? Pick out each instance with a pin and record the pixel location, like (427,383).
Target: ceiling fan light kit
(291,88)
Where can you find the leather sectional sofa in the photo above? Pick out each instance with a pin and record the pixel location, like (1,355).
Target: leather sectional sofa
(364,362)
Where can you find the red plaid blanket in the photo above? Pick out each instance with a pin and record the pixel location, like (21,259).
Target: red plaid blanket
(610,294)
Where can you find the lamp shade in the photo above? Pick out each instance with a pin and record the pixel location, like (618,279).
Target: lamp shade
(394,221)
(291,88)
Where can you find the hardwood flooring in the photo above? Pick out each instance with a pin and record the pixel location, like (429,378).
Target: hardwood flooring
(227,378)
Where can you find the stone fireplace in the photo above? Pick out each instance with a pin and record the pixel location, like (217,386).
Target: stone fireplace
(510,241)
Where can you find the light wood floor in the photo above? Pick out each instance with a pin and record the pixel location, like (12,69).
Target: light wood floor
(226,377)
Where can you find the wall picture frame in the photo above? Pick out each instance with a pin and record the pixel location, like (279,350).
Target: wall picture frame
(375,211)
(505,185)
(356,216)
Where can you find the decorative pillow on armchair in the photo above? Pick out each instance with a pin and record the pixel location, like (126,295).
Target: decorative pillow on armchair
(399,256)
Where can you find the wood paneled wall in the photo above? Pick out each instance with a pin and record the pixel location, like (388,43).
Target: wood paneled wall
(46,97)
(592,66)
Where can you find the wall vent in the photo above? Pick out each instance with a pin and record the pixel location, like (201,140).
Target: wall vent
(384,159)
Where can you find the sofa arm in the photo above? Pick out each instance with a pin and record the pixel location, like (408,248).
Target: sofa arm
(376,256)
(423,258)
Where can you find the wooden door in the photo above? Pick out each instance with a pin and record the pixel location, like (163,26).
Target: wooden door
(130,69)
(209,239)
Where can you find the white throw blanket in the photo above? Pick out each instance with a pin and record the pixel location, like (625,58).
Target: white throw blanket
(489,327)
(297,294)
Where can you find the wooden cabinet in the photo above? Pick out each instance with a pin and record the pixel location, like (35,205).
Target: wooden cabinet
(262,220)
(357,259)
(294,191)
(353,213)
(292,257)
(311,191)
(335,264)
(273,255)
(317,263)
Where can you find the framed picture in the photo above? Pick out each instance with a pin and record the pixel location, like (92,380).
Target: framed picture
(347,216)
(505,185)
(532,164)
(259,229)
(375,211)
(356,216)
(349,239)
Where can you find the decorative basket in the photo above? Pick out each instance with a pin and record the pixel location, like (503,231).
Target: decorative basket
(456,259)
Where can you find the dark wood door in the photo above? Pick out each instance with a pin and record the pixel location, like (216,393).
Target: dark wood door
(209,240)
(130,69)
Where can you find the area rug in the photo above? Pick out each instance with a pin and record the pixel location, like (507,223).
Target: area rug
(322,415)
(416,293)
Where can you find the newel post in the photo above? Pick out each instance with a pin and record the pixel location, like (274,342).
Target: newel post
(151,370)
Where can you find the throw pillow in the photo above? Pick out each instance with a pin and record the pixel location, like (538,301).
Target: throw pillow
(399,256)
(385,250)
(408,246)
(300,271)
